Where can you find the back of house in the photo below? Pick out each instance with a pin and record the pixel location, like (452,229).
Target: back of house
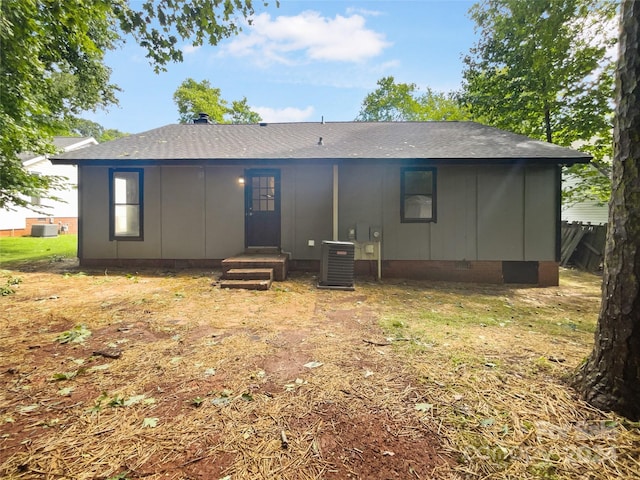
(454,201)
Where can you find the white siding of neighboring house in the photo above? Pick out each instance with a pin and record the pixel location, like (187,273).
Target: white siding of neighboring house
(584,212)
(68,206)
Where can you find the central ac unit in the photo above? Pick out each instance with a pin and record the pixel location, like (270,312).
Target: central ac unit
(337,265)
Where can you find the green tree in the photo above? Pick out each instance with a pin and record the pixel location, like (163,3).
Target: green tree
(395,102)
(541,69)
(440,106)
(193,98)
(390,102)
(86,128)
(610,379)
(109,134)
(241,112)
(52,66)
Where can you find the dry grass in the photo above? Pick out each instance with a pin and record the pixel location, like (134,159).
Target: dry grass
(417,380)
(495,365)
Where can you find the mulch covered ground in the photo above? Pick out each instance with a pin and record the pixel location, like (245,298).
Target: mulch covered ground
(163,375)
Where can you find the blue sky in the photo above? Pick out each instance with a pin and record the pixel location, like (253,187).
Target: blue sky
(303,61)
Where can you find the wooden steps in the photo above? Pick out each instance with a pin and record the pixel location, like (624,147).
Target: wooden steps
(253,271)
(247,278)
(249,274)
(246,284)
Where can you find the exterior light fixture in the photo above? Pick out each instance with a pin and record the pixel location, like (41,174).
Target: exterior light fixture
(241,180)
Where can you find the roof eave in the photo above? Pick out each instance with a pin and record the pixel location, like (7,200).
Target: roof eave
(567,161)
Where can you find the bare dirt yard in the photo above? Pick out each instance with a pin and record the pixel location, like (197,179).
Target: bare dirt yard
(113,374)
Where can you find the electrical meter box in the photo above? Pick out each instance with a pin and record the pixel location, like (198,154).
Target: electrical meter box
(376,234)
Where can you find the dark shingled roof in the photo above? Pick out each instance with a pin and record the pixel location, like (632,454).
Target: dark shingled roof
(433,141)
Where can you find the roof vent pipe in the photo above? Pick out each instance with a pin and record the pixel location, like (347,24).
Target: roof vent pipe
(202,118)
(320,142)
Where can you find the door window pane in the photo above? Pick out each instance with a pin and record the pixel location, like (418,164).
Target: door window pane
(263,194)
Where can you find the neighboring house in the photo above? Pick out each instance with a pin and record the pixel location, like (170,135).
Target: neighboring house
(63,213)
(449,200)
(586,212)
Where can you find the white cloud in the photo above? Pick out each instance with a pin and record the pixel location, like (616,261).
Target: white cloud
(187,49)
(364,11)
(288,114)
(308,36)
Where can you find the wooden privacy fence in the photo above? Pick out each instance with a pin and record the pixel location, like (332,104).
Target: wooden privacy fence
(583,245)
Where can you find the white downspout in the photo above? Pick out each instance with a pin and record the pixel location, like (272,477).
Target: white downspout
(335,202)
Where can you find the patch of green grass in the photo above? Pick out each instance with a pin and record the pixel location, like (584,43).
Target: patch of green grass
(77,334)
(16,250)
(444,316)
(8,287)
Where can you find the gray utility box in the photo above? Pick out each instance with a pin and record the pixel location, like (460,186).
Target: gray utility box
(44,230)
(337,265)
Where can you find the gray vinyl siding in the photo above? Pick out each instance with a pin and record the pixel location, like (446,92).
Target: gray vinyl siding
(307,209)
(540,213)
(197,212)
(183,212)
(483,213)
(454,236)
(401,241)
(500,213)
(360,197)
(224,212)
(93,197)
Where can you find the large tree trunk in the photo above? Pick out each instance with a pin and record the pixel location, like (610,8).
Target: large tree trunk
(610,379)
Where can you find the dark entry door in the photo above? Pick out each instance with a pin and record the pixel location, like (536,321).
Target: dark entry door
(262,208)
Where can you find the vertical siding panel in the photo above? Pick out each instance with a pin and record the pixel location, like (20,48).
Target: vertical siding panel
(400,241)
(360,196)
(94,197)
(312,209)
(288,194)
(540,214)
(500,213)
(453,237)
(183,218)
(390,212)
(224,213)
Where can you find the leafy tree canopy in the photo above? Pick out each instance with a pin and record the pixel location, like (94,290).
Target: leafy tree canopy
(193,98)
(52,66)
(542,69)
(241,112)
(86,128)
(394,102)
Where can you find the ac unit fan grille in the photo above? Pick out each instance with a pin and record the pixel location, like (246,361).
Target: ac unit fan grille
(337,265)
